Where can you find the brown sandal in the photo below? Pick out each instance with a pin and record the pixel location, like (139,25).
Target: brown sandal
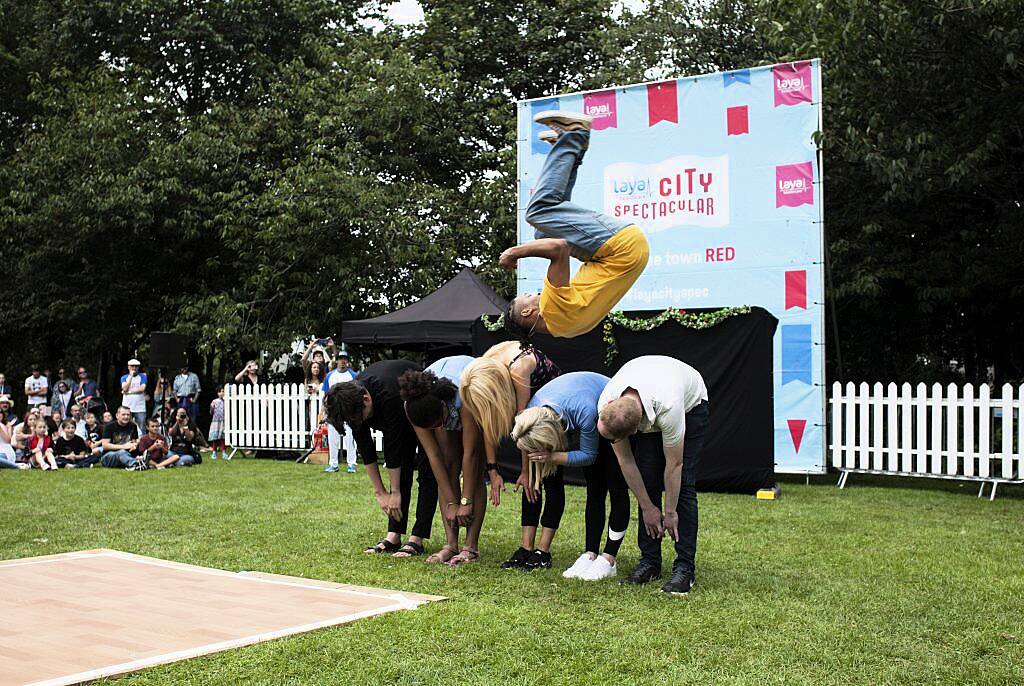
(439,555)
(466,556)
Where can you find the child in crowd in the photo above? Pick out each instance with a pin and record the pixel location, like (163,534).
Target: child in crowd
(71,450)
(107,417)
(216,438)
(93,433)
(21,435)
(154,448)
(41,447)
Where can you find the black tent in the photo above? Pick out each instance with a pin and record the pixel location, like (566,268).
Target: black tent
(443,319)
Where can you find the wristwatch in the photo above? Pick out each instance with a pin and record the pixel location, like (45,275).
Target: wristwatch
(466,501)
(492,466)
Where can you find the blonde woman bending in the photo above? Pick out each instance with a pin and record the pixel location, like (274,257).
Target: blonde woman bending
(559,428)
(493,389)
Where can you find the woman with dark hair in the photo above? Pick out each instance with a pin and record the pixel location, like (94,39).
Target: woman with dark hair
(373,401)
(316,372)
(451,439)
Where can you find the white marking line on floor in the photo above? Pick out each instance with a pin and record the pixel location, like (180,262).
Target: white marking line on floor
(112,670)
(64,556)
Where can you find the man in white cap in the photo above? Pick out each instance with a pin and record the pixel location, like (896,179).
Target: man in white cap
(133,393)
(341,373)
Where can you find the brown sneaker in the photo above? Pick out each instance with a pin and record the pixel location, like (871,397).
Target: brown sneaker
(560,120)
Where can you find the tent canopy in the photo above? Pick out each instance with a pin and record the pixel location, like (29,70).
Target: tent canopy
(443,318)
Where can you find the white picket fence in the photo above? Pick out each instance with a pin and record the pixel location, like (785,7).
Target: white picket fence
(273,416)
(949,432)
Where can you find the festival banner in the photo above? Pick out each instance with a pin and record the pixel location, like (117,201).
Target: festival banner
(721,172)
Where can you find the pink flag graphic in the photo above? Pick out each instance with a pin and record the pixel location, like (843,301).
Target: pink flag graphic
(794,184)
(601,106)
(737,120)
(792,83)
(796,289)
(796,432)
(662,103)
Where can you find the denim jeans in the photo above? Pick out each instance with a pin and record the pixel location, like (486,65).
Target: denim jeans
(140,421)
(117,458)
(7,464)
(551,211)
(650,459)
(184,461)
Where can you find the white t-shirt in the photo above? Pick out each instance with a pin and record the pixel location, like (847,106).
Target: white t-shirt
(336,377)
(135,398)
(34,384)
(668,390)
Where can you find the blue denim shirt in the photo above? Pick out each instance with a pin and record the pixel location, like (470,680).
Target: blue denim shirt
(574,397)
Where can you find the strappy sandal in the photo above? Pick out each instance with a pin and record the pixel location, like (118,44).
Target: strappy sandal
(409,549)
(466,556)
(383,546)
(436,558)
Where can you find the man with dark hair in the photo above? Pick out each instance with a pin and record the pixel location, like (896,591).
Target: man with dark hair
(666,402)
(372,401)
(614,251)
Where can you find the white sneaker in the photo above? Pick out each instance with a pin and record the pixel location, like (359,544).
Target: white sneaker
(599,569)
(578,567)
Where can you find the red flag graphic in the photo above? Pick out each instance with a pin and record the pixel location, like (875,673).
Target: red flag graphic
(796,289)
(662,104)
(796,431)
(738,121)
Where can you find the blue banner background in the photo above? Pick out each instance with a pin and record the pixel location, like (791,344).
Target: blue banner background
(764,240)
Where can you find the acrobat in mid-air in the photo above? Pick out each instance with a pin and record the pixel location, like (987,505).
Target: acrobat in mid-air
(614,252)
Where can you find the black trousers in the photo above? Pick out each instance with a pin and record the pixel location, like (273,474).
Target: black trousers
(605,480)
(650,460)
(554,486)
(426,498)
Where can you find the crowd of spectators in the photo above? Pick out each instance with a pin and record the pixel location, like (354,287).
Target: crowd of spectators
(65,423)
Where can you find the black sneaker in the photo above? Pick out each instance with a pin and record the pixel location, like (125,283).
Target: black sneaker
(643,574)
(680,583)
(538,560)
(517,560)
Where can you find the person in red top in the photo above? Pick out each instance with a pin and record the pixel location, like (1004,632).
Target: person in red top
(40,447)
(153,447)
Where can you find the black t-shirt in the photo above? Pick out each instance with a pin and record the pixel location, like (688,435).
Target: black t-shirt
(380,380)
(118,435)
(76,446)
(95,434)
(179,444)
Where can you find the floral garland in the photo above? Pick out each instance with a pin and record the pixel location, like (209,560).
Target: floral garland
(691,320)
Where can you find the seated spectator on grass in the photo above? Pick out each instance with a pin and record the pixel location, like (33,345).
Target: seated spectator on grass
(184,439)
(120,443)
(22,434)
(84,389)
(40,447)
(61,402)
(133,393)
(186,390)
(154,447)
(71,450)
(75,414)
(93,433)
(8,459)
(7,415)
(107,417)
(37,387)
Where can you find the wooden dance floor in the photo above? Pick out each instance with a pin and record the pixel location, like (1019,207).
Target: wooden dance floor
(97,613)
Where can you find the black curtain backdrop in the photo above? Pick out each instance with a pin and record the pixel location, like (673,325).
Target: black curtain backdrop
(735,359)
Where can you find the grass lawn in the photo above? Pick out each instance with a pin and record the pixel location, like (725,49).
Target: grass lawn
(885,582)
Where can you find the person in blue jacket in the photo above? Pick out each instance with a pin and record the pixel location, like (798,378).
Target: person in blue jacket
(559,428)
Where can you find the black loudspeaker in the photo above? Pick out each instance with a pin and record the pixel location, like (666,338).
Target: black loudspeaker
(167,349)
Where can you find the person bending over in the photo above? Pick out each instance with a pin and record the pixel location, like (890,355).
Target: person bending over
(373,401)
(494,388)
(559,428)
(614,251)
(666,401)
(451,439)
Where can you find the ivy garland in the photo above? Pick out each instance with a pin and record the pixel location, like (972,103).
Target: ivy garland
(691,320)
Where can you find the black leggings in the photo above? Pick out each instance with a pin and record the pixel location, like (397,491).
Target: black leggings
(426,502)
(604,478)
(555,488)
